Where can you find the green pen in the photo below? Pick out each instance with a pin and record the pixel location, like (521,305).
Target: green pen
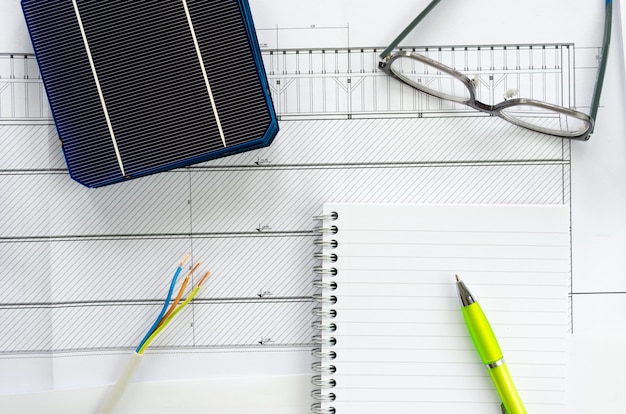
(490,354)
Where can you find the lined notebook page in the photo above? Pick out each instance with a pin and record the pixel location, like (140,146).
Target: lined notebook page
(401,342)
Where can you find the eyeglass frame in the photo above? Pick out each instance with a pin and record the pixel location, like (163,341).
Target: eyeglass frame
(500,109)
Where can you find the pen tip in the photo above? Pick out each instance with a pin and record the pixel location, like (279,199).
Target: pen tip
(457,278)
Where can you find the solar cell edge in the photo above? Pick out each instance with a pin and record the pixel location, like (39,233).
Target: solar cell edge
(265,141)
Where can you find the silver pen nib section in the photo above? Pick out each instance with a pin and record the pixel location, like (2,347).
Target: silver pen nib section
(465,296)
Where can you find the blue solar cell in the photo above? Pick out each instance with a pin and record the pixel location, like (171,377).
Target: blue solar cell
(141,87)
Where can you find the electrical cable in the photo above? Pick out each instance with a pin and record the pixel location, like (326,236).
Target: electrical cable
(165,304)
(174,313)
(162,321)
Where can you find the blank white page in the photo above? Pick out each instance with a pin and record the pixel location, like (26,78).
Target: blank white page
(401,343)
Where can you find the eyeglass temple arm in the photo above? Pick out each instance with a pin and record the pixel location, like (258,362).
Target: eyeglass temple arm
(408,29)
(595,102)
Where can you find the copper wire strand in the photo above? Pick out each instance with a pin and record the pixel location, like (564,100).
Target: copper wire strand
(182,262)
(206,275)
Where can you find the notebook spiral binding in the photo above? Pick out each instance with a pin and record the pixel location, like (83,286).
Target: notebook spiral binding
(325,300)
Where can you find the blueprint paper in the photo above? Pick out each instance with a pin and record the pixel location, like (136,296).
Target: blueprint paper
(74,256)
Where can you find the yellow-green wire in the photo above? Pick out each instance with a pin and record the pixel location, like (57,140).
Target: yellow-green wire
(168,320)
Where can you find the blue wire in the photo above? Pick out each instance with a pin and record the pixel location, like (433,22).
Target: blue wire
(165,305)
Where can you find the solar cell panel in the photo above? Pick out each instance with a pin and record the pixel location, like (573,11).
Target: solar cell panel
(141,87)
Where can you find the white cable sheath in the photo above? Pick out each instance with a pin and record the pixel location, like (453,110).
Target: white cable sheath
(120,386)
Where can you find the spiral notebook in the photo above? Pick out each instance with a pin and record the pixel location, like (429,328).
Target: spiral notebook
(392,337)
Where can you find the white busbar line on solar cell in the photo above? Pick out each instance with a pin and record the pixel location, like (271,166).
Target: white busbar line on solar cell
(95,76)
(206,79)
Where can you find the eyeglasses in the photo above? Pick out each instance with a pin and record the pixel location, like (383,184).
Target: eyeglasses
(438,80)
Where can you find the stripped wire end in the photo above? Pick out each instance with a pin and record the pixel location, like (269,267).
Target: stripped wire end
(193,269)
(182,262)
(206,275)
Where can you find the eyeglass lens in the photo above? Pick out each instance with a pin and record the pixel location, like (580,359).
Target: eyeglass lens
(430,79)
(544,119)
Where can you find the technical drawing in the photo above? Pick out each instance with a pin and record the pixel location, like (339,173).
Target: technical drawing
(349,133)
